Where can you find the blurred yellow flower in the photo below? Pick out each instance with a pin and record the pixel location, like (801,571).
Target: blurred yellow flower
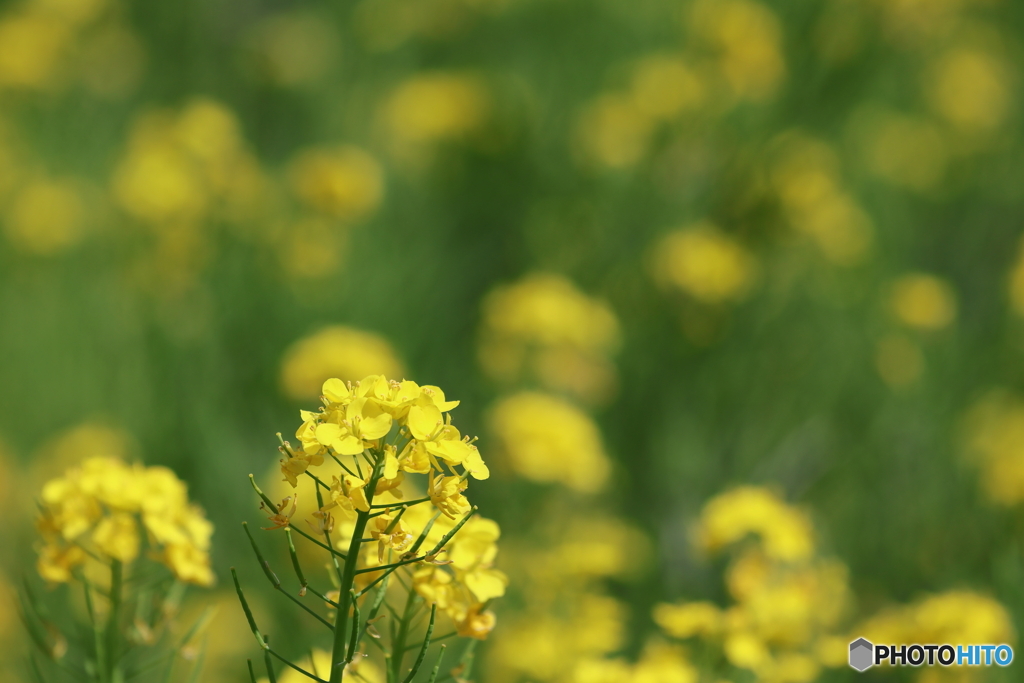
(180,166)
(902,150)
(805,173)
(96,505)
(784,531)
(547,439)
(958,616)
(68,448)
(994,430)
(747,40)
(543,328)
(45,217)
(970,89)
(689,619)
(335,351)
(663,86)
(34,45)
(344,183)
(923,301)
(614,131)
(434,107)
(704,263)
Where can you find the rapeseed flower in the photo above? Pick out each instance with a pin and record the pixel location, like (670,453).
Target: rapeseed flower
(923,301)
(106,507)
(705,263)
(543,328)
(335,351)
(549,440)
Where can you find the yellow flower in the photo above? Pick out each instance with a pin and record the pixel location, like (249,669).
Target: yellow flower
(476,624)
(97,506)
(994,441)
(706,264)
(784,531)
(446,494)
(335,351)
(34,45)
(614,131)
(348,493)
(688,619)
(805,173)
(545,329)
(923,301)
(56,562)
(970,88)
(747,39)
(661,663)
(117,536)
(548,439)
(432,107)
(346,183)
(664,86)
(390,534)
(45,217)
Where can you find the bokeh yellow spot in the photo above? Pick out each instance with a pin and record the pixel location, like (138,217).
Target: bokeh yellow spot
(335,351)
(547,439)
(46,217)
(705,263)
(923,301)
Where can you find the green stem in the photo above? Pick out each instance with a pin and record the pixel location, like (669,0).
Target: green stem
(398,647)
(338,651)
(113,619)
(345,593)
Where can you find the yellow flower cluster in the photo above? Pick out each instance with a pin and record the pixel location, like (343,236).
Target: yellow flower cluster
(96,508)
(736,57)
(356,417)
(547,439)
(958,616)
(922,301)
(49,44)
(705,263)
(784,533)
(568,624)
(805,175)
(463,587)
(995,443)
(787,600)
(183,166)
(335,351)
(746,40)
(544,329)
(616,128)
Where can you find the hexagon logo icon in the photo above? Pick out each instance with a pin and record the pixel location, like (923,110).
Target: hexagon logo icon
(861,654)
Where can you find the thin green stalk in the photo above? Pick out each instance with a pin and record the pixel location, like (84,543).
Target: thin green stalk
(252,673)
(398,646)
(276,582)
(354,642)
(426,646)
(437,665)
(248,612)
(345,598)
